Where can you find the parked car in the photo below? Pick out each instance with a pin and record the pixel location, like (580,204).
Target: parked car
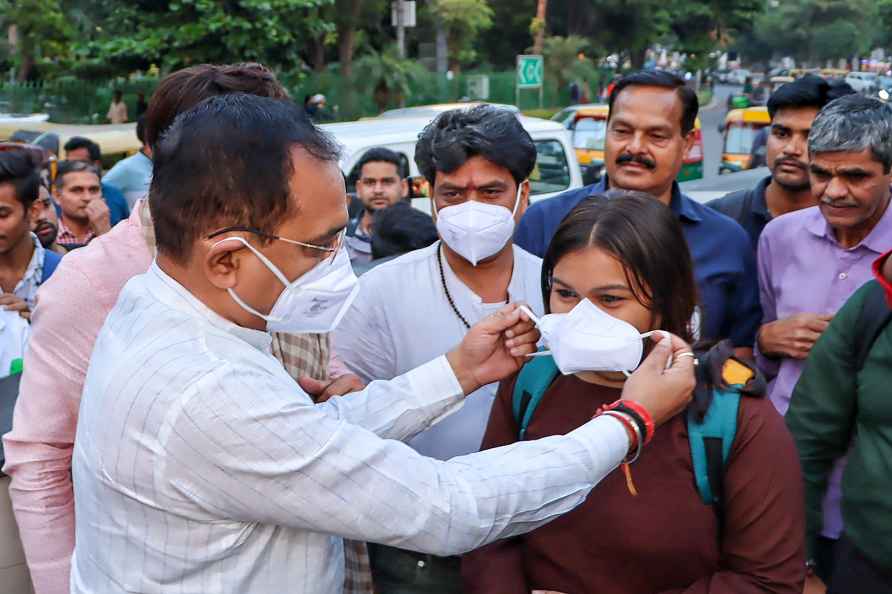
(588,125)
(863,82)
(432,111)
(556,166)
(710,188)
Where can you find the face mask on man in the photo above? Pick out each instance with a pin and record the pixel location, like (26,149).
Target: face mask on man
(589,339)
(315,302)
(477,230)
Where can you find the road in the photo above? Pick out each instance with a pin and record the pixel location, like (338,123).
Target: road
(709,125)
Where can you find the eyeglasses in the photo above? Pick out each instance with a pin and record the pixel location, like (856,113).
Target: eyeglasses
(330,251)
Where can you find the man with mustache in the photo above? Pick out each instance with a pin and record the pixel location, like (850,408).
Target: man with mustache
(792,108)
(812,260)
(45,223)
(649,129)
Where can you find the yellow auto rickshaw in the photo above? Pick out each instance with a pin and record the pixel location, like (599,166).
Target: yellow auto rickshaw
(116,141)
(739,130)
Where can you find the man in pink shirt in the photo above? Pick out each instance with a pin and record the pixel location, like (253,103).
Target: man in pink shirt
(72,309)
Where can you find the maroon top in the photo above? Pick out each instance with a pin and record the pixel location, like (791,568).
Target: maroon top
(665,540)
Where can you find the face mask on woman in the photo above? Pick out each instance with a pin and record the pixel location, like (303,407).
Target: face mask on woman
(589,339)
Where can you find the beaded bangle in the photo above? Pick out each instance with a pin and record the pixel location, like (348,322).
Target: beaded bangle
(630,425)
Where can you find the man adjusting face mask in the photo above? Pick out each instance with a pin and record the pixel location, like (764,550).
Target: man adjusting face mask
(477,230)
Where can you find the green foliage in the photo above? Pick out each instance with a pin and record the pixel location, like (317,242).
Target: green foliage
(43,32)
(563,62)
(177,33)
(464,21)
(388,76)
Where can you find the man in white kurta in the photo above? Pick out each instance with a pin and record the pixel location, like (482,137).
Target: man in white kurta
(200,466)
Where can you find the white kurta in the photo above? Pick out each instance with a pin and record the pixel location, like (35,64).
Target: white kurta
(402,319)
(201,467)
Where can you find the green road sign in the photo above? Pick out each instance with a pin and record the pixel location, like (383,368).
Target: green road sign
(530,72)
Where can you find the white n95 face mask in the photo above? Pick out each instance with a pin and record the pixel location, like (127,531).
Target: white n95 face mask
(314,303)
(589,339)
(477,230)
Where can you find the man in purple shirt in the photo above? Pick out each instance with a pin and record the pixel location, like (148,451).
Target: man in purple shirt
(811,261)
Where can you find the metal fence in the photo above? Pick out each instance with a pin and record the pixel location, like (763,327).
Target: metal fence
(71,100)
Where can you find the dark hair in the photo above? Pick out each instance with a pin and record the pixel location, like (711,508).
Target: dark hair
(459,134)
(141,129)
(380,155)
(118,94)
(806,91)
(66,167)
(79,142)
(400,229)
(183,89)
(646,237)
(225,162)
(19,169)
(667,80)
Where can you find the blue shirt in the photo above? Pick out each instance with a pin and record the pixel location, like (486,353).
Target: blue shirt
(132,176)
(117,204)
(724,263)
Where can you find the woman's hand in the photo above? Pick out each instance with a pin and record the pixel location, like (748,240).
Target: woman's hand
(663,391)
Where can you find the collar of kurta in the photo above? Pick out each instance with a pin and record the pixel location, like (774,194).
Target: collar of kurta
(175,295)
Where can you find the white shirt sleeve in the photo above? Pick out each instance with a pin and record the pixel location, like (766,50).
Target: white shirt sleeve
(243,448)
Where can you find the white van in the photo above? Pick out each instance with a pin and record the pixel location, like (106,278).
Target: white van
(556,167)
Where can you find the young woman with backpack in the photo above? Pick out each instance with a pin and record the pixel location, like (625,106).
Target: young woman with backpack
(715,504)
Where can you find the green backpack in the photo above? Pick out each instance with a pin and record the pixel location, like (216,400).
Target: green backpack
(711,439)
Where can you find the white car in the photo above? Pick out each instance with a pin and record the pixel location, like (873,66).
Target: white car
(863,82)
(556,167)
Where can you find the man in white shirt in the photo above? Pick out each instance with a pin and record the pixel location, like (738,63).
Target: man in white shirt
(201,466)
(477,162)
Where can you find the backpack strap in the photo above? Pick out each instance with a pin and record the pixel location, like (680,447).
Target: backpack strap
(874,316)
(712,438)
(534,379)
(50,261)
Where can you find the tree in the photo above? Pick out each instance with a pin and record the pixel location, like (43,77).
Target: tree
(41,33)
(388,75)
(176,33)
(537,28)
(565,61)
(464,20)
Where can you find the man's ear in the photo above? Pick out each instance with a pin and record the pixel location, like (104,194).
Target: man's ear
(33,212)
(526,186)
(222,261)
(404,192)
(689,140)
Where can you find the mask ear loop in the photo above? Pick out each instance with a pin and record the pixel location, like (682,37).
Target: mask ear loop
(272,268)
(536,320)
(628,374)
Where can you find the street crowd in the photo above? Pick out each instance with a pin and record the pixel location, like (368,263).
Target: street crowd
(618,390)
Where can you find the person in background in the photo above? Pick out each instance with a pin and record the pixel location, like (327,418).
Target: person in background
(650,127)
(73,308)
(478,162)
(397,230)
(838,397)
(24,264)
(83,149)
(624,258)
(141,104)
(792,108)
(117,111)
(84,214)
(45,223)
(380,184)
(133,175)
(317,110)
(812,260)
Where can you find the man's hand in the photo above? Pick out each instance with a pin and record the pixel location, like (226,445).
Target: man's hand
(321,391)
(493,349)
(99,216)
(794,336)
(663,392)
(10,302)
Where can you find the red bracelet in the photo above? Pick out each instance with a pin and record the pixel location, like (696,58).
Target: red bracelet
(638,413)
